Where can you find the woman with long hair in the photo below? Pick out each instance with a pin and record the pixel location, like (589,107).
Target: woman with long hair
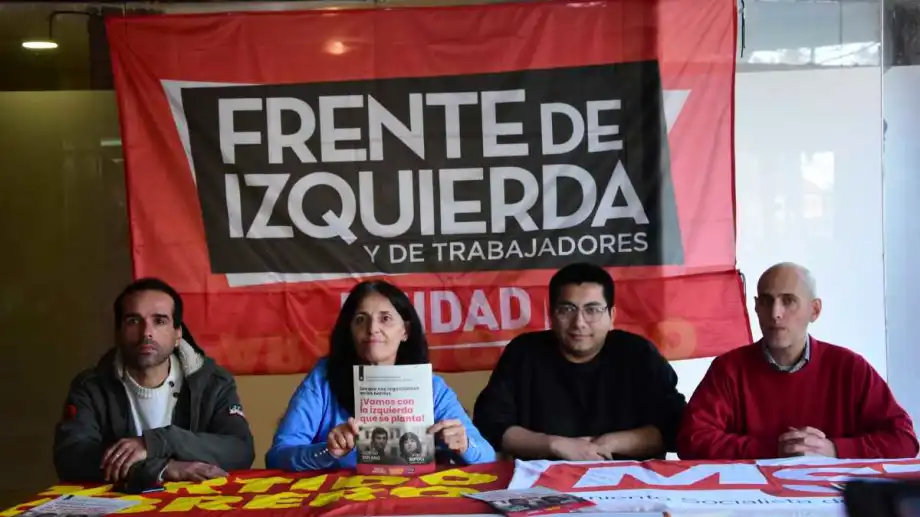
(410,448)
(377,326)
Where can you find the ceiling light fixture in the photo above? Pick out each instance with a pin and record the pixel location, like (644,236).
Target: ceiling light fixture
(49,43)
(39,45)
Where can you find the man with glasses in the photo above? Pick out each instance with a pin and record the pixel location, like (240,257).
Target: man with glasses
(582,391)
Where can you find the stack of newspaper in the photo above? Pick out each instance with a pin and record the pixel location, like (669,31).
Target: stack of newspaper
(75,505)
(528,502)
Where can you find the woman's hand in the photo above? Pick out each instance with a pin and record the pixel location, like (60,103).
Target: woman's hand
(452,433)
(342,438)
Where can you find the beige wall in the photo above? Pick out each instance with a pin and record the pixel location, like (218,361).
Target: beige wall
(64,258)
(64,239)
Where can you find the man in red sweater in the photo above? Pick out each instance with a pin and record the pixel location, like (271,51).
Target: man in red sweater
(790,394)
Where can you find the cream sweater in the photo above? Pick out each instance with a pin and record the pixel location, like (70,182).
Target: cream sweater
(153,407)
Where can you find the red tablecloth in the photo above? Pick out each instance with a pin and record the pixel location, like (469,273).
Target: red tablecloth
(271,493)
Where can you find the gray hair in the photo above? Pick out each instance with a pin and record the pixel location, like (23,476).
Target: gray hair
(803,272)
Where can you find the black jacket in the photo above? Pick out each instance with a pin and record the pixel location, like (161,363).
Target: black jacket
(627,386)
(208,422)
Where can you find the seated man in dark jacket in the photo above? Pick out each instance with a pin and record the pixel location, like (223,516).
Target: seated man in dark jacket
(155,408)
(583,391)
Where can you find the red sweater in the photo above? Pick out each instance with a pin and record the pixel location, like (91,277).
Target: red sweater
(744,404)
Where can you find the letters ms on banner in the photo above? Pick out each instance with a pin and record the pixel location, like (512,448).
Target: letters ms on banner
(504,171)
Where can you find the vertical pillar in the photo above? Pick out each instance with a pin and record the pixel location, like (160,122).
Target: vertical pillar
(901,186)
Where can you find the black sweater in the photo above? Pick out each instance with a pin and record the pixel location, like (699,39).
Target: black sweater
(627,386)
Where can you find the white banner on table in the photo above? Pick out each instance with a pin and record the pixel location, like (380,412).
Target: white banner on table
(799,486)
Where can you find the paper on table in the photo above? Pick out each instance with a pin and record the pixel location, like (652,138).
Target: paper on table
(74,505)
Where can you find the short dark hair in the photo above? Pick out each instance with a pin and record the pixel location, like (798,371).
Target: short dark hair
(342,353)
(379,431)
(581,273)
(149,284)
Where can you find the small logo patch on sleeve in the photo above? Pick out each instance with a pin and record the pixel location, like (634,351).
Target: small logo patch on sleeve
(70,412)
(237,410)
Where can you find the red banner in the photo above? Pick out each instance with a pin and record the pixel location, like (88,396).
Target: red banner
(275,159)
(761,487)
(333,494)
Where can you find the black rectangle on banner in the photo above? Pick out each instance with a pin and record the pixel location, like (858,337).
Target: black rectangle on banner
(505,171)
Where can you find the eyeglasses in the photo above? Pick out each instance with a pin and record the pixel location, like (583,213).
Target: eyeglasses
(592,313)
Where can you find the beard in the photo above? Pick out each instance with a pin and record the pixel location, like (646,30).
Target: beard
(133,357)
